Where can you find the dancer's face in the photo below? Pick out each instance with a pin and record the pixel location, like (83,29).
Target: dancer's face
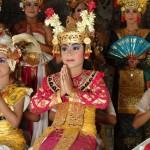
(31,8)
(72,55)
(131,15)
(4,67)
(78,10)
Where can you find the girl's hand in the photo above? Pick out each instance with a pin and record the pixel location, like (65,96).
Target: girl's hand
(62,86)
(29,30)
(67,80)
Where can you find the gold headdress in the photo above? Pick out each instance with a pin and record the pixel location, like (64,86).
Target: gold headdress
(140,5)
(23,2)
(0,5)
(83,32)
(7,48)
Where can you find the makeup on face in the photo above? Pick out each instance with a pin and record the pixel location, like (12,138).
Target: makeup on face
(79,9)
(3,60)
(32,4)
(131,11)
(73,47)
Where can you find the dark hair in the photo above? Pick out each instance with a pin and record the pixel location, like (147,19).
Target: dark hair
(73,9)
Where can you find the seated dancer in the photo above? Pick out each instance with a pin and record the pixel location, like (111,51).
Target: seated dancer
(99,43)
(74,92)
(12,97)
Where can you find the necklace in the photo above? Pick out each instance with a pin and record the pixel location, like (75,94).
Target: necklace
(132,31)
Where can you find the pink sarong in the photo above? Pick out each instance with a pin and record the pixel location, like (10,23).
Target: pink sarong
(83,142)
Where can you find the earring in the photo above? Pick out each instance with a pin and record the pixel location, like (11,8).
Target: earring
(88,50)
(39,10)
(22,9)
(122,18)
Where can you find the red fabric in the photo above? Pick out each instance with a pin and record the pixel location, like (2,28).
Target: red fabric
(139,20)
(147,147)
(122,19)
(83,142)
(95,92)
(29,77)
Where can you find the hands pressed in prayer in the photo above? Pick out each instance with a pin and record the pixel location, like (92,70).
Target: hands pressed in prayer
(29,30)
(66,81)
(62,87)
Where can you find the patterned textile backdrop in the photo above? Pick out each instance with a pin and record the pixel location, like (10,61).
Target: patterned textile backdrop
(107,16)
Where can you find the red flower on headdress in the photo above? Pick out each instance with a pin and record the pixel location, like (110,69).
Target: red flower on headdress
(49,12)
(42,5)
(91,6)
(115,4)
(147,147)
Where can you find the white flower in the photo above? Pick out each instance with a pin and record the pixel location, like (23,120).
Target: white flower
(87,21)
(21,5)
(55,23)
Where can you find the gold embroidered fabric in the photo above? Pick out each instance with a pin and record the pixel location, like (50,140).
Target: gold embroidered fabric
(139,32)
(73,118)
(13,94)
(39,140)
(89,121)
(12,137)
(72,124)
(67,139)
(71,113)
(61,115)
(131,88)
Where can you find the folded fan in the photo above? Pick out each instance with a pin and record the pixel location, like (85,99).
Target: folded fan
(129,46)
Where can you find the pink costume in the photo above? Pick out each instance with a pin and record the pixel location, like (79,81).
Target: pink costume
(74,125)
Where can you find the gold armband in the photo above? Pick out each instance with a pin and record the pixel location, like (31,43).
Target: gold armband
(58,96)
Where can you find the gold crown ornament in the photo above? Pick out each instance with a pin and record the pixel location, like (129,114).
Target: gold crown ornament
(82,33)
(23,2)
(140,5)
(7,48)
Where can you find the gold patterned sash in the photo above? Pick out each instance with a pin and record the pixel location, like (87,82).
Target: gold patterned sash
(69,117)
(131,88)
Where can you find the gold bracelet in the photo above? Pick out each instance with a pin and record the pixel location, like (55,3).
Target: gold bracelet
(58,96)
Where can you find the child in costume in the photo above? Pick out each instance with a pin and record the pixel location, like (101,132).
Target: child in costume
(13,99)
(74,92)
